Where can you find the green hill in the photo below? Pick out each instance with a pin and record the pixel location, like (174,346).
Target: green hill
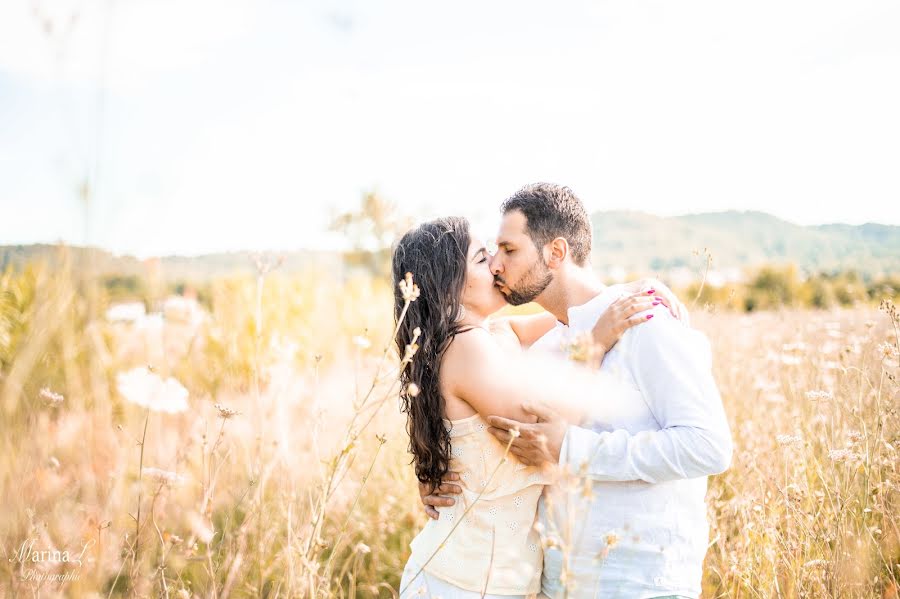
(633,241)
(637,242)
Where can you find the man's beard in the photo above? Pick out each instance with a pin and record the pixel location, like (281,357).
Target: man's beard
(533,283)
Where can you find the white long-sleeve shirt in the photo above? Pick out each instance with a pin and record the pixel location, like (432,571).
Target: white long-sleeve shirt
(638,527)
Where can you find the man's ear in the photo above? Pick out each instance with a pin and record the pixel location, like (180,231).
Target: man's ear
(556,252)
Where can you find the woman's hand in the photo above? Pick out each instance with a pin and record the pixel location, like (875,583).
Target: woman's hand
(622,314)
(657,289)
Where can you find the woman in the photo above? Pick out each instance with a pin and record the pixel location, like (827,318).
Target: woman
(465,369)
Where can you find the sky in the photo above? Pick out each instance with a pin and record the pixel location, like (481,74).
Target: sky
(222,125)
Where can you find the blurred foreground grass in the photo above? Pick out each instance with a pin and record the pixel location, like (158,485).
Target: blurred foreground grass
(276,467)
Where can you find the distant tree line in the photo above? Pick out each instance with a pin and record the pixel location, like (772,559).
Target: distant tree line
(772,287)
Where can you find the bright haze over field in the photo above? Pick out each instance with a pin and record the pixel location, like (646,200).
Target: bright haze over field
(210,126)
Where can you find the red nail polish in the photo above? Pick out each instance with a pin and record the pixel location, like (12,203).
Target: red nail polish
(649,316)
(655,304)
(651,291)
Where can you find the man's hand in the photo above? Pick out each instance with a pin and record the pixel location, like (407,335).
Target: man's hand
(438,498)
(537,443)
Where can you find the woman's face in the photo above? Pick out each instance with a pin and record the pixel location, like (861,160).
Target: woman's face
(480,295)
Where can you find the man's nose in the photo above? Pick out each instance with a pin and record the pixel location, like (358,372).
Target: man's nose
(496,264)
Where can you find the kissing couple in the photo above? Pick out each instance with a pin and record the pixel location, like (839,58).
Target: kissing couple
(560,454)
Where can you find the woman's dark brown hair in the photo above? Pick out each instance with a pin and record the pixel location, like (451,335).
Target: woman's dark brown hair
(436,254)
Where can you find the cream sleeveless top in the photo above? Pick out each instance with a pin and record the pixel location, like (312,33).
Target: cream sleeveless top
(494,542)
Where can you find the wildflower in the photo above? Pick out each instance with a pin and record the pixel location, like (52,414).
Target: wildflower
(887,351)
(200,528)
(163,476)
(579,348)
(842,455)
(514,432)
(411,349)
(854,437)
(362,548)
(794,492)
(361,342)
(147,389)
(225,412)
(587,489)
(412,390)
(789,440)
(611,540)
(126,312)
(54,399)
(819,395)
(409,289)
(888,307)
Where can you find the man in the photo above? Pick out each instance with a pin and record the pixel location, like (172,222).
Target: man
(636,527)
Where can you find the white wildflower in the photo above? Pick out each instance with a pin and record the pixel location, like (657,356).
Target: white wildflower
(163,476)
(142,387)
(819,395)
(843,455)
(200,528)
(887,351)
(126,312)
(54,399)
(790,440)
(409,289)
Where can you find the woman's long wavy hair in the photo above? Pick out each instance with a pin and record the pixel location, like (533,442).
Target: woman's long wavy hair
(436,254)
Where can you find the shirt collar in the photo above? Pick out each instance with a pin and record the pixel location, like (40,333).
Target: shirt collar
(584,317)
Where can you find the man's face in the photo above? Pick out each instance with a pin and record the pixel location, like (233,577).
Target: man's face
(519,268)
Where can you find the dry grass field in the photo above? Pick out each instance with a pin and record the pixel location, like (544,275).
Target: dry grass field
(254,447)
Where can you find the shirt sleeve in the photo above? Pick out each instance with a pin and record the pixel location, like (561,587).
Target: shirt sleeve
(672,367)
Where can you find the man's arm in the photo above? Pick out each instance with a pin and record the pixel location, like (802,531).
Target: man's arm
(672,368)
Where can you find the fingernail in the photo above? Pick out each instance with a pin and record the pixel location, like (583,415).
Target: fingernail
(649,316)
(651,291)
(658,298)
(655,304)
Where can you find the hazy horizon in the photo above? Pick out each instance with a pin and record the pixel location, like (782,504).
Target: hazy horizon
(339,242)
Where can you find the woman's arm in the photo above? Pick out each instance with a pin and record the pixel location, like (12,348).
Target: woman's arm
(526,329)
(496,382)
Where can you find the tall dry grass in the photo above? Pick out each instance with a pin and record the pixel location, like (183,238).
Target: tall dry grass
(287,475)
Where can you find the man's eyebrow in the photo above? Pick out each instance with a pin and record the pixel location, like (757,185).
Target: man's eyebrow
(502,243)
